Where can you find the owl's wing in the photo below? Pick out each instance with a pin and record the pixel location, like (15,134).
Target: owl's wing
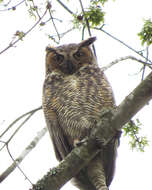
(59,140)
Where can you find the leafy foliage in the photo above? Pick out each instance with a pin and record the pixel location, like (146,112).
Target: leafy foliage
(20,34)
(146,33)
(95,15)
(95,2)
(32,11)
(78,21)
(132,129)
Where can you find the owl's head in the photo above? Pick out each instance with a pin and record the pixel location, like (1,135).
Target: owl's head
(68,59)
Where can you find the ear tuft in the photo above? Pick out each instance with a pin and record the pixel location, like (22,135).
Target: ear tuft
(49,49)
(87,42)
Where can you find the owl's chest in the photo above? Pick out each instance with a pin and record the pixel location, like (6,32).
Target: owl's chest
(82,95)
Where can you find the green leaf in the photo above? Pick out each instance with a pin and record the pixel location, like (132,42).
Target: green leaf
(95,2)
(132,129)
(20,34)
(32,10)
(95,15)
(146,33)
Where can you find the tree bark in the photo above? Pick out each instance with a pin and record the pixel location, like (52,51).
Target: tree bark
(111,122)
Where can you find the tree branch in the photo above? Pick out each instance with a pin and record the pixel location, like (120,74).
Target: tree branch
(55,26)
(65,7)
(13,7)
(144,68)
(111,122)
(88,26)
(8,150)
(23,34)
(23,154)
(123,59)
(19,118)
(150,62)
(28,114)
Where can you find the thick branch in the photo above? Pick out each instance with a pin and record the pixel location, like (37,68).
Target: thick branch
(111,122)
(69,167)
(133,103)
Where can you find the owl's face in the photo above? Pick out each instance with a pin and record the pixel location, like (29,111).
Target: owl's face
(68,59)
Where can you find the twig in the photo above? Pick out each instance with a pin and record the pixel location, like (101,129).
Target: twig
(36,9)
(132,123)
(5,5)
(31,114)
(19,118)
(62,34)
(83,29)
(54,26)
(87,23)
(8,150)
(150,62)
(13,7)
(44,22)
(23,154)
(27,32)
(15,132)
(65,7)
(88,27)
(122,59)
(147,55)
(2,142)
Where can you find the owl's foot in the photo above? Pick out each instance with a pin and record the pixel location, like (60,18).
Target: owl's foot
(78,142)
(100,142)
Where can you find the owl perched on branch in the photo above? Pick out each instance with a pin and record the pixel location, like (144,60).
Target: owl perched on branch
(75,92)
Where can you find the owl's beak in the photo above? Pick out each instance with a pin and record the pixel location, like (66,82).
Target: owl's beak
(71,68)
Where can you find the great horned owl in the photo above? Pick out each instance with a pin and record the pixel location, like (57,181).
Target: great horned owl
(74,93)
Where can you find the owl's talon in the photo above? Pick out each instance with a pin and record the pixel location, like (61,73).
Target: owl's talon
(79,142)
(99,143)
(76,142)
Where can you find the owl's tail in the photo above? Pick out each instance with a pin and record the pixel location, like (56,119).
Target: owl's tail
(99,173)
(92,177)
(82,181)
